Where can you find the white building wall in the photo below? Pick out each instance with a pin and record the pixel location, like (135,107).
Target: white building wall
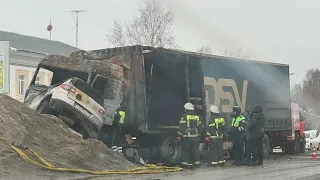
(23,63)
(30,71)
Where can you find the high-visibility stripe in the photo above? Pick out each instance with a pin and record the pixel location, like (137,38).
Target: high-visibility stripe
(122,116)
(214,137)
(196,135)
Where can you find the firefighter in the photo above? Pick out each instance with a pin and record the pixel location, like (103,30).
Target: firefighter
(215,132)
(188,135)
(237,134)
(256,127)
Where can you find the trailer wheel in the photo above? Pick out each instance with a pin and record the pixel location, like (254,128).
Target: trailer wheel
(170,150)
(294,147)
(266,146)
(303,146)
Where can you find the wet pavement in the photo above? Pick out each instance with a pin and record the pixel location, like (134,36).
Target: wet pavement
(278,167)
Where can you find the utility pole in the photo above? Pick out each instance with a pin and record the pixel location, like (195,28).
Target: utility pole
(77,22)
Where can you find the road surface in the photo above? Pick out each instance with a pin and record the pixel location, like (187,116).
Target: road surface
(278,167)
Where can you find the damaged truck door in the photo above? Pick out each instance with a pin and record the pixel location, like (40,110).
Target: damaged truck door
(111,91)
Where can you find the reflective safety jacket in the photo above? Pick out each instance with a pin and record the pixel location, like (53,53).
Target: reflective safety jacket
(238,123)
(189,125)
(237,129)
(216,126)
(120,116)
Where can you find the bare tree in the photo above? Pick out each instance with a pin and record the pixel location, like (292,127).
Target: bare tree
(152,27)
(296,93)
(204,50)
(311,90)
(237,54)
(117,37)
(310,98)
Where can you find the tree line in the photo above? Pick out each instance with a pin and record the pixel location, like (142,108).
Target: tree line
(152,26)
(307,94)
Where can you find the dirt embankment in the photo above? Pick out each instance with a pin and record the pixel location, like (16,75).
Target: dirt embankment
(52,139)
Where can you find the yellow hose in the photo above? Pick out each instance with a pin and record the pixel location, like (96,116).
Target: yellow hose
(147,169)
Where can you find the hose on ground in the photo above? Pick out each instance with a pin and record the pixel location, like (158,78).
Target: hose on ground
(147,169)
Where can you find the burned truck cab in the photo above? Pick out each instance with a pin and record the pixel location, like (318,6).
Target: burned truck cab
(83,93)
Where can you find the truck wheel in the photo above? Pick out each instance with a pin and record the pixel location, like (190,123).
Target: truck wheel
(297,144)
(266,146)
(294,147)
(303,145)
(170,150)
(302,148)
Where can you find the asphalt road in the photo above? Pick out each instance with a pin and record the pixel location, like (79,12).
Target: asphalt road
(278,167)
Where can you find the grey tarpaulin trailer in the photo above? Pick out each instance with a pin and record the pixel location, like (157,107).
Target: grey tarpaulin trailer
(159,81)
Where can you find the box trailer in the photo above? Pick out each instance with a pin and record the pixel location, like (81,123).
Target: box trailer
(158,82)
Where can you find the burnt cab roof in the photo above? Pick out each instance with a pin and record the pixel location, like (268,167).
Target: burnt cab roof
(108,69)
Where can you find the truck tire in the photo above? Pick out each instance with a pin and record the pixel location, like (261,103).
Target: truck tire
(170,151)
(266,146)
(294,147)
(302,147)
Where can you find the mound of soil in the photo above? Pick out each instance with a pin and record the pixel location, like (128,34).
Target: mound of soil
(52,139)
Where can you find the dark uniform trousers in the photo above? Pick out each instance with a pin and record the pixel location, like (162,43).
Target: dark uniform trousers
(190,146)
(248,150)
(238,150)
(216,151)
(257,148)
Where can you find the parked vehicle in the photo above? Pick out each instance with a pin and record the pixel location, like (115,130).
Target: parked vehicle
(307,135)
(78,103)
(314,140)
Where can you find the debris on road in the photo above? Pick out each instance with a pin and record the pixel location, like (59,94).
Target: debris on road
(52,139)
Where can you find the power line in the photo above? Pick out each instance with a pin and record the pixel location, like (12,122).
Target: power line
(77,22)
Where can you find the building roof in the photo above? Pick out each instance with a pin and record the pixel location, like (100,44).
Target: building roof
(37,45)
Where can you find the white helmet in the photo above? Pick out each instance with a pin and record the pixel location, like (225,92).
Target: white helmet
(189,106)
(214,109)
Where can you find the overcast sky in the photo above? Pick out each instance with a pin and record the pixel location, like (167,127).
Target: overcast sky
(284,31)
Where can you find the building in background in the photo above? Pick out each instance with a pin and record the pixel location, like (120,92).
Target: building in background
(19,57)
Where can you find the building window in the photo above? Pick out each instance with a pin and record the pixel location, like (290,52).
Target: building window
(21,85)
(37,80)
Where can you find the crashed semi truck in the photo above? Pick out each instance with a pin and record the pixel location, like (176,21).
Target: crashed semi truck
(162,80)
(157,82)
(83,93)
